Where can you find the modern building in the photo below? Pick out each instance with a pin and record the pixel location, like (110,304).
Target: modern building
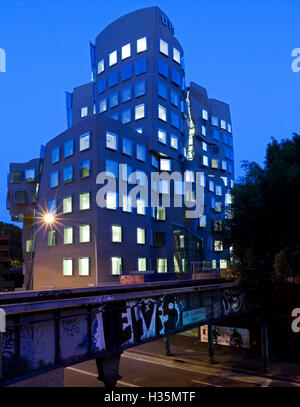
(136,117)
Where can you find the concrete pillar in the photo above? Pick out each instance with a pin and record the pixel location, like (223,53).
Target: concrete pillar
(264,347)
(108,370)
(211,344)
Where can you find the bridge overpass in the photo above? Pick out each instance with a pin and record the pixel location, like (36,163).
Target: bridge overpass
(47,330)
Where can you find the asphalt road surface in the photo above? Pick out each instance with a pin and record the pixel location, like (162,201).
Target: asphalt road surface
(140,370)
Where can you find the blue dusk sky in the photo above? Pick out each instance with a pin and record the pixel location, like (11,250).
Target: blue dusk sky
(240,50)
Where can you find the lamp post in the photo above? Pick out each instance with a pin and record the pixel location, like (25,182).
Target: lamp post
(49,219)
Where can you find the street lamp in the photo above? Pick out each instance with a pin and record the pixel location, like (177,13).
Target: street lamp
(49,219)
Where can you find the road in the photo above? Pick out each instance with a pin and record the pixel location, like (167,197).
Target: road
(141,370)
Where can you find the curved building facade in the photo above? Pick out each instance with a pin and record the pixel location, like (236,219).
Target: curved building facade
(135,118)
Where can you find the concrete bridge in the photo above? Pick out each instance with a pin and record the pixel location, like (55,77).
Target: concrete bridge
(47,330)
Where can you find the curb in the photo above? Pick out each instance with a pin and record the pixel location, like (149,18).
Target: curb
(220,365)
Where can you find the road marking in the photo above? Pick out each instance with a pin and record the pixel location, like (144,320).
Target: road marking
(206,384)
(95,375)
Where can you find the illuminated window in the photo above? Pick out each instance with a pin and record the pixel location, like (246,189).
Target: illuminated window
(51,238)
(84,266)
(126,51)
(162,265)
(111,140)
(116,265)
(176,55)
(174,142)
(113,58)
(141,236)
(205,160)
(164,47)
(223,264)
(67,204)
(68,235)
(101,66)
(84,201)
(67,267)
(202,221)
(141,45)
(84,233)
(140,207)
(229,127)
(111,200)
(204,114)
(211,186)
(162,136)
(218,246)
(116,232)
(165,164)
(224,165)
(29,246)
(160,213)
(140,112)
(162,113)
(127,203)
(84,111)
(142,264)
(204,146)
(214,163)
(223,124)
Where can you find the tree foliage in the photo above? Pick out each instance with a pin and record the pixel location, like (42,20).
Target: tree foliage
(16,255)
(264,220)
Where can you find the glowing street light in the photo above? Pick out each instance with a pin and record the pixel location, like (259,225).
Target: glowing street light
(48,218)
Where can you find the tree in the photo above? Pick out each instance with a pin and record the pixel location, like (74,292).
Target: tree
(16,255)
(263,225)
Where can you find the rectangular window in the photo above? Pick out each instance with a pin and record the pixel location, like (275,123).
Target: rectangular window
(84,266)
(67,204)
(126,116)
(51,238)
(154,161)
(140,111)
(140,66)
(55,154)
(204,146)
(162,91)
(165,164)
(29,246)
(113,79)
(202,221)
(162,265)
(67,267)
(30,175)
(15,177)
(115,116)
(214,121)
(163,68)
(68,174)
(68,148)
(217,225)
(203,131)
(112,168)
(175,98)
(162,136)
(126,170)
(229,128)
(68,235)
(175,120)
(211,186)
(214,163)
(113,58)
(111,140)
(176,77)
(52,206)
(162,113)
(126,94)
(116,266)
(84,201)
(102,85)
(142,264)
(176,55)
(116,232)
(141,236)
(126,51)
(54,179)
(20,197)
(114,100)
(126,72)
(224,165)
(140,88)
(218,246)
(111,200)
(102,105)
(160,213)
(205,160)
(85,169)
(127,203)
(140,152)
(164,47)
(101,66)
(174,141)
(204,114)
(218,190)
(223,124)
(127,146)
(84,233)
(140,207)
(141,45)
(84,111)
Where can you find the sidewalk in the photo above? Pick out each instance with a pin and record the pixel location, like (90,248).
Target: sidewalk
(185,349)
